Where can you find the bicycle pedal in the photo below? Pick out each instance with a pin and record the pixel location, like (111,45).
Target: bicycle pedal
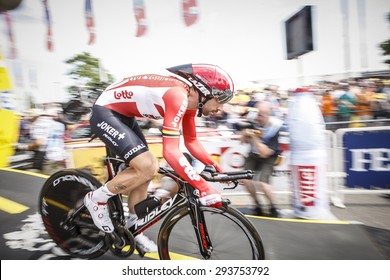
(140,251)
(121,242)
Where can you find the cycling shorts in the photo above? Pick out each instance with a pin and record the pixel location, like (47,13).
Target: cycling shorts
(120,133)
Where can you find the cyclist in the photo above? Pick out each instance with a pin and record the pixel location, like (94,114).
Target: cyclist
(184,92)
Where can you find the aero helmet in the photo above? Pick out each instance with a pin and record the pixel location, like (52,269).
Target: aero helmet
(210,81)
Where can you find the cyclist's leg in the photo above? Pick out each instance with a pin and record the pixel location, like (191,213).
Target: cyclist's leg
(123,136)
(130,144)
(135,179)
(144,166)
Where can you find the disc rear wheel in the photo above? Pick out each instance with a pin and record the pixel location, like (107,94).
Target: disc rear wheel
(63,192)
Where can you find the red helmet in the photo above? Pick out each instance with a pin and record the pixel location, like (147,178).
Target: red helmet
(210,80)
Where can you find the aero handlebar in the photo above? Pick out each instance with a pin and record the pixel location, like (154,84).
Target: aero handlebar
(211,175)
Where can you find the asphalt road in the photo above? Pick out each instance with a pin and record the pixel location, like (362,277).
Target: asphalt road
(361,233)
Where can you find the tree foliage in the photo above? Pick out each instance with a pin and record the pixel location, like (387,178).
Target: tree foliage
(90,78)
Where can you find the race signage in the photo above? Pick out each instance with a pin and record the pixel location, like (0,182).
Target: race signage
(366,154)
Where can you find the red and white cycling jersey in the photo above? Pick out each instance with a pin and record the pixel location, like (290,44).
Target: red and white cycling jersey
(162,97)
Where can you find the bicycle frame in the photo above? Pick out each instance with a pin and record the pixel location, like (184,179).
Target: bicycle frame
(186,194)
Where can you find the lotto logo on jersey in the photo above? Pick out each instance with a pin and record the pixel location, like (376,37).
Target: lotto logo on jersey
(123,94)
(188,169)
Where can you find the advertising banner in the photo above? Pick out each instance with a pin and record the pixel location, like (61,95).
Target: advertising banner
(366,154)
(228,151)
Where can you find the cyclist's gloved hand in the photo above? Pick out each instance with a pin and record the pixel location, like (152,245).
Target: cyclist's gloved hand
(211,198)
(218,167)
(213,168)
(210,169)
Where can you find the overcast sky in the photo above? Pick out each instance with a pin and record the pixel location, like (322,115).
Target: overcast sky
(246,37)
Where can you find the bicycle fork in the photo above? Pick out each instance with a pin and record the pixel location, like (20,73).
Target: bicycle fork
(199,224)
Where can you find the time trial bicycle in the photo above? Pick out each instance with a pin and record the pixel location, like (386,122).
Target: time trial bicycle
(189,230)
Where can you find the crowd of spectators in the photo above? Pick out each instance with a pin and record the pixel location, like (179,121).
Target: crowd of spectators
(346,103)
(41,133)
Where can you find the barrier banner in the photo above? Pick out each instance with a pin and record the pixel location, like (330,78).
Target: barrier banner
(227,151)
(367,157)
(307,177)
(310,197)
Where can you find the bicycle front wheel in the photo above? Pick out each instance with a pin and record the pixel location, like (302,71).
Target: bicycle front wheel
(232,235)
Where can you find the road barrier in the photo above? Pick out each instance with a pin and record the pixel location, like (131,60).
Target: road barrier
(358,160)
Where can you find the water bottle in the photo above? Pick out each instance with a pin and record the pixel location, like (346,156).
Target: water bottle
(308,157)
